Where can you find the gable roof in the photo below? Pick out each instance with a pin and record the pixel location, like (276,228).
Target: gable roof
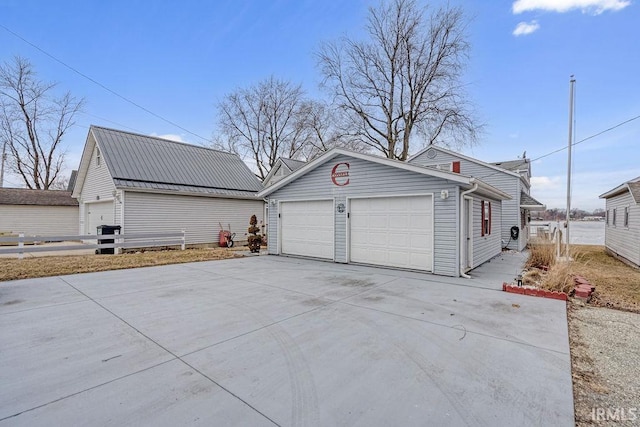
(148,163)
(483,188)
(292,164)
(25,196)
(462,156)
(513,165)
(528,202)
(632,186)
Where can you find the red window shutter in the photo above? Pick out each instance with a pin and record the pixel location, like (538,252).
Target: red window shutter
(489,217)
(456,167)
(482,223)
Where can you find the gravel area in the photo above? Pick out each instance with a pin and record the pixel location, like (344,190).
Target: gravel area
(605,352)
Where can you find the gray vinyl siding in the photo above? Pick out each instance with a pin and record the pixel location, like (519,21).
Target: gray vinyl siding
(487,246)
(510,184)
(39,220)
(624,241)
(98,185)
(198,216)
(372,179)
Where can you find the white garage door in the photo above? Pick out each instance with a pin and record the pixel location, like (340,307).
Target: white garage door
(307,228)
(98,214)
(392,231)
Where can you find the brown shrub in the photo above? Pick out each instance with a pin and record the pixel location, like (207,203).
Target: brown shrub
(541,255)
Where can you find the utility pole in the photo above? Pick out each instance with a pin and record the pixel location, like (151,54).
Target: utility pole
(572,83)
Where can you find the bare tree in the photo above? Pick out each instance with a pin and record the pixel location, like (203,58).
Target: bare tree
(404,81)
(33,123)
(323,130)
(263,122)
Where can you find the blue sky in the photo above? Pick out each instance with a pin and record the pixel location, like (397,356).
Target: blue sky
(178,59)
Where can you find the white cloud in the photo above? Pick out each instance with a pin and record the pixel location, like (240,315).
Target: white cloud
(542,183)
(524,28)
(595,7)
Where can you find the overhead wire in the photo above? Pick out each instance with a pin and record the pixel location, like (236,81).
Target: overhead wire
(113,92)
(524,161)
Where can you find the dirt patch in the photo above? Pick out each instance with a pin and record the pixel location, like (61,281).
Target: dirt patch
(13,269)
(604,345)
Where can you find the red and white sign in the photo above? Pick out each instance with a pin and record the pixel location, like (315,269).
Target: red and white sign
(340,174)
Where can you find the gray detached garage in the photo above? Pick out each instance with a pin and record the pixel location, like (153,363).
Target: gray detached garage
(146,184)
(356,208)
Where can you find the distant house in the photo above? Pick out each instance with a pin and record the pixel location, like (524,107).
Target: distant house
(622,229)
(512,177)
(38,212)
(150,185)
(281,168)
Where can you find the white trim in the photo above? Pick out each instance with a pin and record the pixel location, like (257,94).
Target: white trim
(455,177)
(122,198)
(388,196)
(187,193)
(619,190)
(467,249)
(319,199)
(462,156)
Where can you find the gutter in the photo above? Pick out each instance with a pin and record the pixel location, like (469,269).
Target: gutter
(464,196)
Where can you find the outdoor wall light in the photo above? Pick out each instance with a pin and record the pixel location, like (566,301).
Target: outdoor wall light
(444,194)
(273,202)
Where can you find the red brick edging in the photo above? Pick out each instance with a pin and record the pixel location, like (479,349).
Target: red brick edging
(583,290)
(535,292)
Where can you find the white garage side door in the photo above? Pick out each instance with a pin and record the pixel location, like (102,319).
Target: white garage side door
(307,228)
(98,214)
(392,231)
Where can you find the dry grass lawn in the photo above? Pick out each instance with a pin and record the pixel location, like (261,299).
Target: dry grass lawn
(617,284)
(12,269)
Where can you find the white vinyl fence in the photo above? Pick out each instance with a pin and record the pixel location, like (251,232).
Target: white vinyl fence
(120,241)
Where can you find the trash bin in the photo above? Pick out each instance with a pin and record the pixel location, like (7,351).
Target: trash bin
(105,230)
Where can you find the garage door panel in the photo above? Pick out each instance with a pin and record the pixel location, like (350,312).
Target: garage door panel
(307,228)
(392,231)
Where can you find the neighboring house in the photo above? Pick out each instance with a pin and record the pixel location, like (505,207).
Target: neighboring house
(151,185)
(622,229)
(72,181)
(281,168)
(512,177)
(38,212)
(351,207)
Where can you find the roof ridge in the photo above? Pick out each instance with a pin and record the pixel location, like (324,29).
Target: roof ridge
(162,139)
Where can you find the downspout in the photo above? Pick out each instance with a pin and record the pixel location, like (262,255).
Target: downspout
(463,195)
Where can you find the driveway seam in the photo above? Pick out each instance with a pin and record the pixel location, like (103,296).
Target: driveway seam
(173,354)
(87,389)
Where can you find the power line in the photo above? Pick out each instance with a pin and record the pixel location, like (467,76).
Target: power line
(110,121)
(524,161)
(588,138)
(101,85)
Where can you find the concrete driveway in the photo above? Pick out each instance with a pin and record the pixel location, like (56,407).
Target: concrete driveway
(281,341)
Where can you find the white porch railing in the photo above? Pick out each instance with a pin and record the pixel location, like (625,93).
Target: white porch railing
(120,241)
